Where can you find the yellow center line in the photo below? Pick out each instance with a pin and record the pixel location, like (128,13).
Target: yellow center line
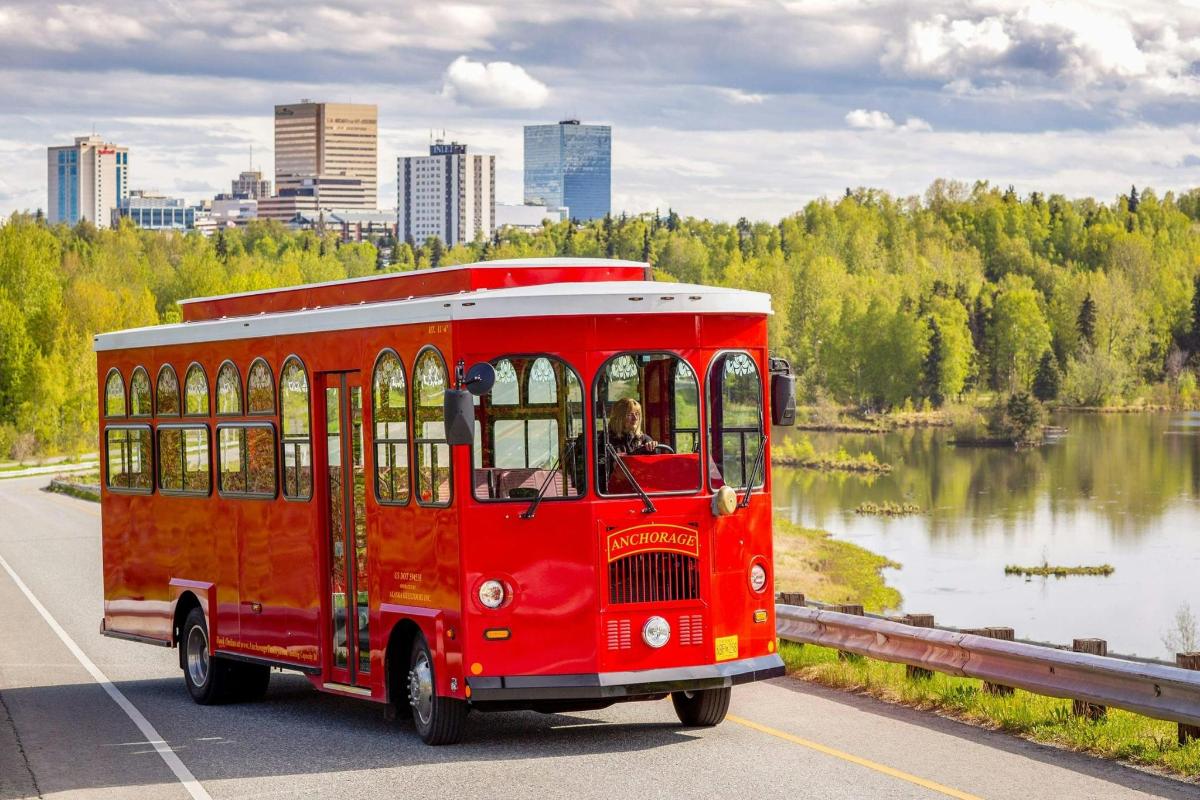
(853,759)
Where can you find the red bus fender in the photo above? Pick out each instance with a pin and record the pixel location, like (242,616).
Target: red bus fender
(206,594)
(443,633)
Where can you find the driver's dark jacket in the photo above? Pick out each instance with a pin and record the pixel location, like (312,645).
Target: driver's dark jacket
(633,444)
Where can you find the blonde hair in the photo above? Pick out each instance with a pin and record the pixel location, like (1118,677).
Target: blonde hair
(616,417)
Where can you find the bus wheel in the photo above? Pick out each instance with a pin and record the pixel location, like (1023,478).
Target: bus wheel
(702,709)
(439,720)
(207,677)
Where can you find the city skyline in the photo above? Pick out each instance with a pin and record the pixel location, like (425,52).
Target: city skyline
(799,100)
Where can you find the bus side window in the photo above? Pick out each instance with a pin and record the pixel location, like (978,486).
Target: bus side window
(183,459)
(195,392)
(735,420)
(295,430)
(129,457)
(389,413)
(168,392)
(139,393)
(432,451)
(114,394)
(246,459)
(229,390)
(260,389)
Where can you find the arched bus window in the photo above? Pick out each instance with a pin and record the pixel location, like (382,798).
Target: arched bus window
(507,389)
(260,388)
(432,450)
(735,421)
(229,390)
(533,437)
(647,418)
(389,411)
(114,394)
(167,392)
(296,430)
(139,393)
(195,392)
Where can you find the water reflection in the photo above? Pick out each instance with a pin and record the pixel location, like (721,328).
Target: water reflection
(1120,489)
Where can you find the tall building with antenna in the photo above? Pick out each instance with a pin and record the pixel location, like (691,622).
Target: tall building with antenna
(450,194)
(86,181)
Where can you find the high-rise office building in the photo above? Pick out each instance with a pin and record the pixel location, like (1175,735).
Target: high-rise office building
(569,165)
(250,185)
(328,140)
(86,180)
(450,194)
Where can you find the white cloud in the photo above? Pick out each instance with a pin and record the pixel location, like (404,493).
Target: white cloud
(864,120)
(498,84)
(740,98)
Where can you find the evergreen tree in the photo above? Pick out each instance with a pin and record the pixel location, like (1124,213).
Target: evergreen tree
(745,236)
(435,251)
(673,221)
(1047,381)
(646,246)
(932,377)
(610,247)
(1086,321)
(221,246)
(1133,200)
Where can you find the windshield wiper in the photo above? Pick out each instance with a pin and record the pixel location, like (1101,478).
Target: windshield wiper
(758,460)
(529,512)
(637,487)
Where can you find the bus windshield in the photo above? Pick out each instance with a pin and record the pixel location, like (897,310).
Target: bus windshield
(530,431)
(647,415)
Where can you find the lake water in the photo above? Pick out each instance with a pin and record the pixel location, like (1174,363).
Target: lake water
(1119,489)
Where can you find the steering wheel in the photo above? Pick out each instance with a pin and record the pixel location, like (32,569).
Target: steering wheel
(663,449)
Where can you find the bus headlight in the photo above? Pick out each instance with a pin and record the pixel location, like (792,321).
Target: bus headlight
(656,632)
(491,594)
(758,577)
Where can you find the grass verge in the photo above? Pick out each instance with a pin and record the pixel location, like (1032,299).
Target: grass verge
(811,561)
(76,489)
(1119,735)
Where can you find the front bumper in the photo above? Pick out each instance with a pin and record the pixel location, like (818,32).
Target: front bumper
(624,685)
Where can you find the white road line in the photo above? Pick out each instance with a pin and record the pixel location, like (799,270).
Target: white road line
(184,775)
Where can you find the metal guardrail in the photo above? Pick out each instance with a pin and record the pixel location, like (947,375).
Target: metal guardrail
(1158,691)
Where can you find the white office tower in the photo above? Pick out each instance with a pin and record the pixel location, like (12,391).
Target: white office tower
(450,194)
(86,180)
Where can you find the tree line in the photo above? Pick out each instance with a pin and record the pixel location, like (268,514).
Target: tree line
(879,301)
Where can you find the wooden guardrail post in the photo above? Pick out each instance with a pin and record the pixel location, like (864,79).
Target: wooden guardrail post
(848,608)
(1188,733)
(1005,634)
(790,598)
(1082,708)
(918,621)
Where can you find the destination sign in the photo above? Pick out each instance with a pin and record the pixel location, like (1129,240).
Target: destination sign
(653,538)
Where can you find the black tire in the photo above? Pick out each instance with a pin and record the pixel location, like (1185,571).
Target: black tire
(438,720)
(702,709)
(209,679)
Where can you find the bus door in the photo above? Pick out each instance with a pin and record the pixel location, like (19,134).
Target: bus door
(345,479)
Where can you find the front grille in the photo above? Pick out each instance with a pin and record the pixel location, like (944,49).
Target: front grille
(653,578)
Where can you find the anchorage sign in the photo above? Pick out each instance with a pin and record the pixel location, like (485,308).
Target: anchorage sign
(655,537)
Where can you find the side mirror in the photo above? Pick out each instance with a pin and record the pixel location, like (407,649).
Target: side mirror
(783,392)
(459,405)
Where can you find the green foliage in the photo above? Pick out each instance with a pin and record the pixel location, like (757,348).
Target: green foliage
(1048,381)
(879,302)
(1018,420)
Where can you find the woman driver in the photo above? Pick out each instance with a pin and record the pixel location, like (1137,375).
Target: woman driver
(625,429)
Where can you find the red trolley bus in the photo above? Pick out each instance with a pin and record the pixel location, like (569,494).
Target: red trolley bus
(311,478)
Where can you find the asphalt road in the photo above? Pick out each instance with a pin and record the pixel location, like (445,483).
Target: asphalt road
(62,735)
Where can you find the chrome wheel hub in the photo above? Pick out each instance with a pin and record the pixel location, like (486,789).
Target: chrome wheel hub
(420,689)
(197,656)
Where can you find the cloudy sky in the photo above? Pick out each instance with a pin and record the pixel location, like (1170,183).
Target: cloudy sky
(719,109)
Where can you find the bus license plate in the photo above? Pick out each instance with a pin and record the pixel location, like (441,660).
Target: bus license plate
(727,648)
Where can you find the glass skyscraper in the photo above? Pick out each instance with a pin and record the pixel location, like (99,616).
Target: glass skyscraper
(569,165)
